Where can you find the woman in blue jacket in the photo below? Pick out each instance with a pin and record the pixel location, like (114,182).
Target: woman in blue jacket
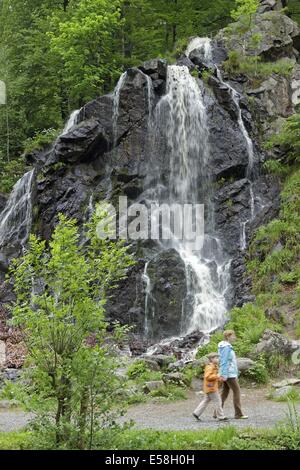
(229,373)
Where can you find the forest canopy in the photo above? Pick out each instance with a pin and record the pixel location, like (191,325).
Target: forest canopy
(55,55)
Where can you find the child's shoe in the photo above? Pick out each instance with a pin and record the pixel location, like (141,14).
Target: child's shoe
(196,417)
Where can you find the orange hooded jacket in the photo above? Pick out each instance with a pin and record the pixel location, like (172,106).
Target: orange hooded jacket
(211,378)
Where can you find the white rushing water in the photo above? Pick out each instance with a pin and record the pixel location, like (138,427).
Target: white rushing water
(116,107)
(72,121)
(181,117)
(204,46)
(16,218)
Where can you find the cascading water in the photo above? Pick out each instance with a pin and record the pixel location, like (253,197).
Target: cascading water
(72,121)
(181,116)
(16,218)
(116,107)
(204,46)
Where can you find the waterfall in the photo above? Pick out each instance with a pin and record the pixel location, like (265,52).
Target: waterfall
(72,121)
(204,45)
(181,116)
(201,44)
(16,218)
(116,106)
(149,310)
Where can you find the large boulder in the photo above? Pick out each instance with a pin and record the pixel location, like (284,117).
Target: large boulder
(295,85)
(286,382)
(84,142)
(153,385)
(162,360)
(275,97)
(268,5)
(276,343)
(244,364)
(176,378)
(282,392)
(280,36)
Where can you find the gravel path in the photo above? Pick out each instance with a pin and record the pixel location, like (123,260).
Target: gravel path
(262,413)
(13,420)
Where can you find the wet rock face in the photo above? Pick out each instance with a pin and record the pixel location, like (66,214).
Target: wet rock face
(168,287)
(228,149)
(127,303)
(3,199)
(84,142)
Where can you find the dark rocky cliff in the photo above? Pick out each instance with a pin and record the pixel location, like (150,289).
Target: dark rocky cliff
(102,159)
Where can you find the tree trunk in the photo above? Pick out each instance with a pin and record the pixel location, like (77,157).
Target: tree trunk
(83,418)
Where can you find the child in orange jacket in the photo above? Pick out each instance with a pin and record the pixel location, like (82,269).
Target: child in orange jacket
(211,389)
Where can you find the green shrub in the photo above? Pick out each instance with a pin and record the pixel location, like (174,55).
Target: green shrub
(136,369)
(276,167)
(255,69)
(41,139)
(276,363)
(259,372)
(292,396)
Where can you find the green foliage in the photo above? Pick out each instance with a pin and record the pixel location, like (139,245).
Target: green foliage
(141,373)
(15,440)
(259,372)
(288,139)
(136,369)
(10,172)
(84,43)
(292,395)
(275,247)
(245,9)
(276,167)
(60,298)
(40,140)
(284,437)
(55,56)
(255,69)
(212,346)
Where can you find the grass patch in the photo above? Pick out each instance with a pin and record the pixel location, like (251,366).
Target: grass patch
(255,69)
(292,396)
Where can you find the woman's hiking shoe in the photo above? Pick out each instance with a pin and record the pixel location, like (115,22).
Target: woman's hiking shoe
(223,419)
(196,417)
(241,417)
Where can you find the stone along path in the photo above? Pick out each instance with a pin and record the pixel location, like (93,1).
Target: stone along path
(173,416)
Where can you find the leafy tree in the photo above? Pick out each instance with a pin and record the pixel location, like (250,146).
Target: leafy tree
(57,54)
(85,43)
(60,302)
(245,9)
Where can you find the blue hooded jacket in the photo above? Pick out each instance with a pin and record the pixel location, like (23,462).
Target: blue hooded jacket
(228,362)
